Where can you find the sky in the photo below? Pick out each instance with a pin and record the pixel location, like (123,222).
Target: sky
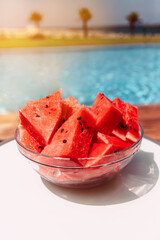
(64,13)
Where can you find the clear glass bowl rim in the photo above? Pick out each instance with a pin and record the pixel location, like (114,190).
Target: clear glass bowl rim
(81,159)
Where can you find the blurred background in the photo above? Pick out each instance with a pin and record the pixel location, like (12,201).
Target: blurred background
(81,46)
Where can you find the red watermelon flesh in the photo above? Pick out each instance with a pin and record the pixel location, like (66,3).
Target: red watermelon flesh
(108,116)
(99,149)
(74,137)
(131,118)
(69,106)
(116,142)
(41,117)
(119,104)
(120,129)
(28,141)
(128,128)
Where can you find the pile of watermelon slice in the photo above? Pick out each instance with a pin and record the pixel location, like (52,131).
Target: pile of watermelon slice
(67,129)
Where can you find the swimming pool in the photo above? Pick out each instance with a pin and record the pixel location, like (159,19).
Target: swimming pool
(130,72)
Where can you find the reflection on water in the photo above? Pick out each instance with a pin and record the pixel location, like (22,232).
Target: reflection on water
(136,180)
(131,73)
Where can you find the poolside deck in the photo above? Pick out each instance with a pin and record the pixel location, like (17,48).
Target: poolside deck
(149,116)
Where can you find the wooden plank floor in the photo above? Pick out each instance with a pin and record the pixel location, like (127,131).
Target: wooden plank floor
(149,116)
(8,124)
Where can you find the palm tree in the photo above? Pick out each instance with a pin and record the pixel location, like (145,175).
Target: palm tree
(132,18)
(85,16)
(36,18)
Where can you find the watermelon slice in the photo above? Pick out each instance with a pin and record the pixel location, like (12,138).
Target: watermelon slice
(99,149)
(116,142)
(41,117)
(69,106)
(131,118)
(74,137)
(28,141)
(108,116)
(128,128)
(120,130)
(119,104)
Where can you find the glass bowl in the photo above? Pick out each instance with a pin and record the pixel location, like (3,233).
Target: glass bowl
(67,173)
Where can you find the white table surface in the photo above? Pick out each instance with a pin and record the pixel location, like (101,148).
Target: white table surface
(126,208)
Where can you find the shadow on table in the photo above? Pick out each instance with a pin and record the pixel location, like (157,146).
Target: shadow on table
(134,181)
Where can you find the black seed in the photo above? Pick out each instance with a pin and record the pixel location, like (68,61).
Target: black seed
(47,96)
(64,141)
(130,120)
(115,151)
(130,127)
(37,115)
(80,123)
(103,94)
(46,106)
(135,130)
(66,131)
(126,126)
(62,130)
(39,147)
(81,129)
(63,120)
(122,126)
(79,118)
(102,97)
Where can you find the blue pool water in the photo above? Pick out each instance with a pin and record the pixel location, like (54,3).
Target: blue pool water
(130,72)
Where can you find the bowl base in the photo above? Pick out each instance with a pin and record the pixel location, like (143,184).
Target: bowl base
(81,185)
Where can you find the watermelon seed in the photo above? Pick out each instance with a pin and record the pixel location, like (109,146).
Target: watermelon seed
(115,151)
(66,131)
(135,130)
(130,120)
(39,147)
(102,97)
(64,141)
(63,120)
(46,106)
(81,129)
(62,130)
(126,126)
(79,118)
(80,123)
(47,96)
(122,126)
(130,127)
(37,115)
